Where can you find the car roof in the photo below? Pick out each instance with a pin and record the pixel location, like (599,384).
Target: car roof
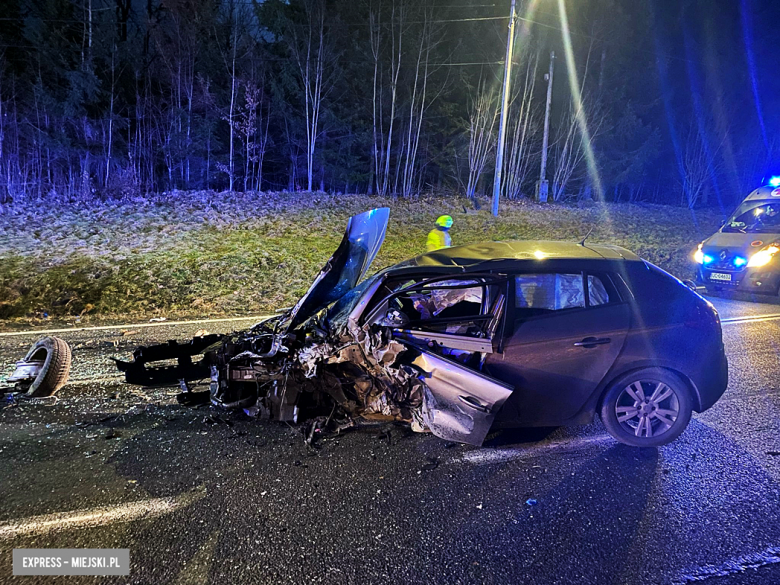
(765,192)
(533,250)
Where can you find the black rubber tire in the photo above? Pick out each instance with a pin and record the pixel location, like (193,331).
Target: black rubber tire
(56,367)
(673,381)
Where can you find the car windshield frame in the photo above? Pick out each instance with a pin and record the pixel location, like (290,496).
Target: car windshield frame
(756,227)
(338,312)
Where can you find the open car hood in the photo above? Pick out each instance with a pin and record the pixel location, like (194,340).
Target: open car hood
(349,263)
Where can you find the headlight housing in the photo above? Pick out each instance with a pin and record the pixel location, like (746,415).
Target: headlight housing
(698,255)
(763,256)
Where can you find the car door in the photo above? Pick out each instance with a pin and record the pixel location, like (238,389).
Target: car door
(459,403)
(450,324)
(566,332)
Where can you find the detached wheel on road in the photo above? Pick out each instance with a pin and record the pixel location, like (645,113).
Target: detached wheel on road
(51,357)
(647,408)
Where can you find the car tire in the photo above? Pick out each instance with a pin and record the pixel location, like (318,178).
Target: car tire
(56,356)
(650,396)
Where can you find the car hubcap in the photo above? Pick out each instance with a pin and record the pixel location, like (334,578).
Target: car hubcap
(647,409)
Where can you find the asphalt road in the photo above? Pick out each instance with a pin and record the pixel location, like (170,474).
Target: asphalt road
(205,497)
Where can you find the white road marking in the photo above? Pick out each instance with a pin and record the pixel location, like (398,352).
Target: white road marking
(488,455)
(768,556)
(751,319)
(133,325)
(747,319)
(96,516)
(100,380)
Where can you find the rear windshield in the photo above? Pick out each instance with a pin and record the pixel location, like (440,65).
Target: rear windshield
(755,217)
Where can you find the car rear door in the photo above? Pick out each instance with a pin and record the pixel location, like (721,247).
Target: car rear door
(566,332)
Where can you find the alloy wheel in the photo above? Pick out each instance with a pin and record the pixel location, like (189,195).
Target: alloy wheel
(646,408)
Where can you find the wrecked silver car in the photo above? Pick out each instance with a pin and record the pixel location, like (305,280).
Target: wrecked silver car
(465,339)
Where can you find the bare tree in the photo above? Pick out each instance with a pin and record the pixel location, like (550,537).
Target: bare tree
(3,115)
(252,125)
(482,139)
(571,147)
(247,126)
(313,49)
(419,101)
(401,45)
(375,32)
(568,152)
(231,121)
(383,144)
(696,166)
(177,47)
(523,127)
(8,158)
(110,141)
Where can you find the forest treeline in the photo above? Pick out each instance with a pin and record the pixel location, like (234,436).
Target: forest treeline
(108,98)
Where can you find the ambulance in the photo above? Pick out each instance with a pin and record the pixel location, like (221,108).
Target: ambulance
(744,254)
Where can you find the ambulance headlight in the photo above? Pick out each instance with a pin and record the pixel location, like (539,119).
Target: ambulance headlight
(763,257)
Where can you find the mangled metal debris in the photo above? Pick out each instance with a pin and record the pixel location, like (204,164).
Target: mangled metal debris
(405,345)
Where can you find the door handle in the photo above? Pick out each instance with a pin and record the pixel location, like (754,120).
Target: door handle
(590,342)
(474,403)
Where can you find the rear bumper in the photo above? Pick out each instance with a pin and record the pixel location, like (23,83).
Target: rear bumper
(754,280)
(712,381)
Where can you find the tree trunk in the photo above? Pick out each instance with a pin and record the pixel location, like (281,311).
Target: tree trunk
(232,106)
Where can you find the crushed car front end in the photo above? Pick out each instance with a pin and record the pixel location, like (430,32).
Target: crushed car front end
(356,360)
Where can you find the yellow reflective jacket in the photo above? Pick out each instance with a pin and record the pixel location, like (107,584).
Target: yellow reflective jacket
(438,239)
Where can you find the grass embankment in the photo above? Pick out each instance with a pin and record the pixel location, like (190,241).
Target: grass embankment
(198,254)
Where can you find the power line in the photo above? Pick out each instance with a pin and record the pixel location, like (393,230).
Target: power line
(436,21)
(441,20)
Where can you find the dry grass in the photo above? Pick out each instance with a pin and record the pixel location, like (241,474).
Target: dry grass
(188,254)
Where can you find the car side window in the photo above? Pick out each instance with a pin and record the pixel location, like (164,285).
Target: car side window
(450,306)
(546,292)
(602,289)
(449,298)
(598,293)
(455,306)
(542,293)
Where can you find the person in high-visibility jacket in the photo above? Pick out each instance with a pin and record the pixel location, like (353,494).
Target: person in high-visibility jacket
(439,236)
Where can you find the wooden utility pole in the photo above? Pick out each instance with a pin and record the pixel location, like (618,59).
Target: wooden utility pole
(543,188)
(504,108)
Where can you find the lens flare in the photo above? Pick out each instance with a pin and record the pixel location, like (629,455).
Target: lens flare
(576,95)
(747,35)
(763,257)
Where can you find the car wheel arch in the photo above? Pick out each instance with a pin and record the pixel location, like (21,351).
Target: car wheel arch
(604,388)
